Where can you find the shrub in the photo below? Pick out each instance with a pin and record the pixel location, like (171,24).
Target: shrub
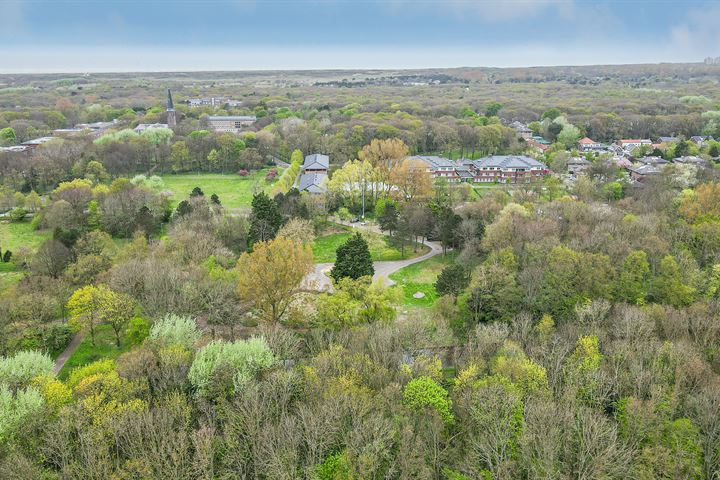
(242,172)
(138,329)
(241,360)
(175,330)
(20,369)
(17,214)
(96,368)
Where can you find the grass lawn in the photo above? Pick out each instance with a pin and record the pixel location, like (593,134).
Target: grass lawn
(12,237)
(381,247)
(87,353)
(421,277)
(234,191)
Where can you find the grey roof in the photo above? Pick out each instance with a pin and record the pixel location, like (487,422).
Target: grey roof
(312,182)
(316,161)
(433,161)
(668,139)
(463,173)
(578,161)
(644,170)
(509,161)
(238,118)
(653,160)
(690,159)
(38,141)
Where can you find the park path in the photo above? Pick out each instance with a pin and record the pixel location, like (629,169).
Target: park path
(320,280)
(67,353)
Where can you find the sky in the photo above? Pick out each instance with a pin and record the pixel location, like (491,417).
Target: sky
(183,35)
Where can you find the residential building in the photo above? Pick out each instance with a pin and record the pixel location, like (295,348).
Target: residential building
(589,145)
(316,163)
(643,172)
(657,161)
(701,140)
(629,144)
(313,182)
(36,142)
(439,167)
(507,169)
(213,102)
(667,140)
(541,147)
(522,130)
(577,165)
(148,126)
(230,123)
(691,160)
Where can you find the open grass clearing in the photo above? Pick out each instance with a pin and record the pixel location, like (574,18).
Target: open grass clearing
(87,352)
(382,247)
(421,277)
(12,237)
(234,191)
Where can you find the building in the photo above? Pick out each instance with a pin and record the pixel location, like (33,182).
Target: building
(522,130)
(171,118)
(541,147)
(589,145)
(650,160)
(313,182)
(666,140)
(690,160)
(213,102)
(316,163)
(14,149)
(629,144)
(643,172)
(36,142)
(230,123)
(700,140)
(577,165)
(439,167)
(148,126)
(506,169)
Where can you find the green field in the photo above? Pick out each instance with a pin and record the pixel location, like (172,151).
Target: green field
(421,277)
(381,247)
(234,191)
(87,353)
(12,237)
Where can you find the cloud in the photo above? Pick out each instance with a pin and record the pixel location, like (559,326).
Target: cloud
(698,32)
(485,10)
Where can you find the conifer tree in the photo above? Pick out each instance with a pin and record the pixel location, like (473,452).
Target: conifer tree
(353,259)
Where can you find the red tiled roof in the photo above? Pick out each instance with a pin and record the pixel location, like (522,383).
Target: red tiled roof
(586,141)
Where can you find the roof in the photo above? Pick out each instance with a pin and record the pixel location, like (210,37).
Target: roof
(316,161)
(578,161)
(587,141)
(463,173)
(236,118)
(634,140)
(15,148)
(433,161)
(690,159)
(38,141)
(668,139)
(644,170)
(653,161)
(509,161)
(147,126)
(312,182)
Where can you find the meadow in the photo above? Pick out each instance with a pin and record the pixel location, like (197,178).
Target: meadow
(421,277)
(382,247)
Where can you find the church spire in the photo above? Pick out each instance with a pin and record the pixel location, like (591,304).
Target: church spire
(171,120)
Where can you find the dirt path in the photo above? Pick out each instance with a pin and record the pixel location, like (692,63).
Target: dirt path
(67,353)
(320,278)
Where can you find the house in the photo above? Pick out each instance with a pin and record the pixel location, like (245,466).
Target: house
(68,132)
(690,160)
(577,165)
(643,172)
(701,140)
(316,163)
(14,149)
(522,130)
(230,123)
(589,145)
(650,160)
(312,182)
(149,126)
(541,147)
(628,145)
(507,169)
(667,140)
(36,142)
(439,167)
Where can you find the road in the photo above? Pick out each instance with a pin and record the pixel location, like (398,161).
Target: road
(320,278)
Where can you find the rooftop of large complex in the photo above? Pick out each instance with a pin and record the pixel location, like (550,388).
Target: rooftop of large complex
(312,182)
(232,118)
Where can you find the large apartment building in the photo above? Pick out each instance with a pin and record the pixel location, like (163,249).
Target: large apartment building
(495,168)
(230,123)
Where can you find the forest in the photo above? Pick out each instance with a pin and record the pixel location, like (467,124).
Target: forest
(171,306)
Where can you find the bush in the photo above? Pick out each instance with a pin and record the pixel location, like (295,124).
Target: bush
(242,172)
(239,360)
(17,214)
(20,369)
(96,368)
(175,330)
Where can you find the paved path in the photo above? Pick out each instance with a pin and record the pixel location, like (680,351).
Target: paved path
(320,278)
(67,353)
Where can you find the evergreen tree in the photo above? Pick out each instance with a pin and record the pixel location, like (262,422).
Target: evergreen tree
(387,215)
(353,259)
(265,219)
(184,208)
(145,221)
(215,199)
(197,192)
(452,280)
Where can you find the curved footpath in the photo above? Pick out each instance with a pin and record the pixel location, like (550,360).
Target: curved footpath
(320,279)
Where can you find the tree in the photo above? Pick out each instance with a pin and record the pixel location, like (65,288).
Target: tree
(411,179)
(271,275)
(197,192)
(387,214)
(265,219)
(175,330)
(384,156)
(299,230)
(423,392)
(215,199)
(7,137)
(51,258)
(492,109)
(452,280)
(668,286)
(632,284)
(85,305)
(353,259)
(356,302)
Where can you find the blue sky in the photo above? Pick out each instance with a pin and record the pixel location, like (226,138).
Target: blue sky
(97,35)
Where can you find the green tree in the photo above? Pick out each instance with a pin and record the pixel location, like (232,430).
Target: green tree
(452,280)
(7,136)
(265,219)
(353,259)
(551,113)
(424,392)
(387,214)
(632,284)
(668,287)
(492,109)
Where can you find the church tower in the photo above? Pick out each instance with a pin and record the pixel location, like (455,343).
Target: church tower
(171,120)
